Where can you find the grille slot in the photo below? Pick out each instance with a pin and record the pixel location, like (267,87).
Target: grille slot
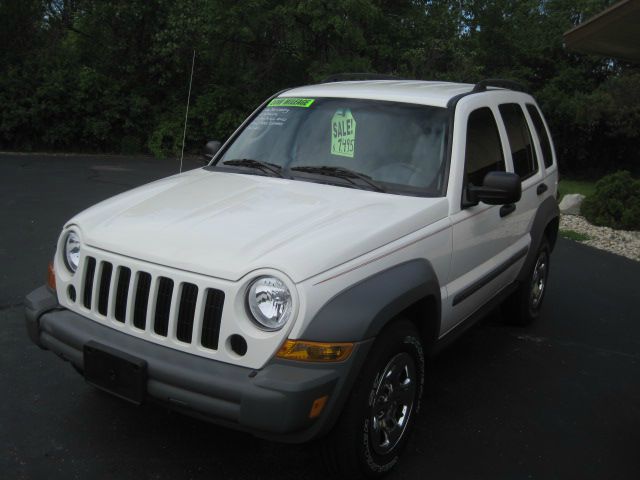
(103,291)
(211,319)
(186,312)
(122,294)
(163,306)
(142,300)
(88,281)
(154,305)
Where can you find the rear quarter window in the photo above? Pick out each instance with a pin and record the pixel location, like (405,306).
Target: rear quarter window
(543,135)
(525,162)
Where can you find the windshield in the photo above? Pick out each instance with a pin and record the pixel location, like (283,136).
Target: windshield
(398,147)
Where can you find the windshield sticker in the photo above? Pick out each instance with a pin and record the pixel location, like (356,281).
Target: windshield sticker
(291,102)
(274,117)
(343,133)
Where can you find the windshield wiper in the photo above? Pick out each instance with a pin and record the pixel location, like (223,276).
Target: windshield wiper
(341,172)
(272,168)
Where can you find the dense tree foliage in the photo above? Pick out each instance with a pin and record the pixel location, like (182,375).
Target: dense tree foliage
(97,75)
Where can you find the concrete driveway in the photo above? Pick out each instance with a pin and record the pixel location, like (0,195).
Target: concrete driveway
(559,399)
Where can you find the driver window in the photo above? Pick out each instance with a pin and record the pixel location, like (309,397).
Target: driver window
(483,153)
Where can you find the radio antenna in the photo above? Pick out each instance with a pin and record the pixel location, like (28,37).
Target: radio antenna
(186,115)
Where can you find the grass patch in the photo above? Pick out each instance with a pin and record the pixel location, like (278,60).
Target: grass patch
(575,236)
(584,187)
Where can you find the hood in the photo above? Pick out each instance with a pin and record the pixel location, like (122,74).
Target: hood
(226,225)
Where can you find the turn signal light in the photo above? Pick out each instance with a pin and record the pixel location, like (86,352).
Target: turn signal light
(317,406)
(51,276)
(315,351)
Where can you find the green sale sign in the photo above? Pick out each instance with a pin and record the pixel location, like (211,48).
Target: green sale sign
(343,133)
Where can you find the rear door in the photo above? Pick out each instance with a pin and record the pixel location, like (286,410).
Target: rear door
(545,149)
(524,153)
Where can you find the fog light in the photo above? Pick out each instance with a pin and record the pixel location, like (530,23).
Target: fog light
(315,351)
(237,344)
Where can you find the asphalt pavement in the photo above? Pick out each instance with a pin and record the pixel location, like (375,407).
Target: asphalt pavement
(559,399)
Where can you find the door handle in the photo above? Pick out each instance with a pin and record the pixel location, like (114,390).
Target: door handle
(507,209)
(541,189)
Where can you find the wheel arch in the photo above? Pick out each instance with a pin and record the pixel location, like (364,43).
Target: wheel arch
(545,224)
(551,231)
(408,290)
(424,314)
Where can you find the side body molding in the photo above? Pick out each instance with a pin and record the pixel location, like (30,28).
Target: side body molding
(363,309)
(546,213)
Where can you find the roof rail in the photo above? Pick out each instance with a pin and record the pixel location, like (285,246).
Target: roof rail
(345,77)
(482,85)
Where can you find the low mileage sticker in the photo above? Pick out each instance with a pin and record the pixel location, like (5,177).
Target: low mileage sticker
(291,102)
(343,133)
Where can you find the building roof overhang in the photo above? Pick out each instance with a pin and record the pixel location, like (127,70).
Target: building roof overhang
(614,33)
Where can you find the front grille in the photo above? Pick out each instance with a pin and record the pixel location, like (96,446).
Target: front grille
(142,301)
(103,294)
(90,271)
(163,306)
(188,302)
(211,319)
(122,292)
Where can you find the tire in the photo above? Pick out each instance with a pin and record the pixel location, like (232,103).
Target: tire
(523,306)
(363,444)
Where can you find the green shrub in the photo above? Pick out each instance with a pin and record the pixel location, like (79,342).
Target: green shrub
(166,138)
(615,203)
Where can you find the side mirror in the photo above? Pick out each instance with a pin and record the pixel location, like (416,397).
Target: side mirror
(211,148)
(498,188)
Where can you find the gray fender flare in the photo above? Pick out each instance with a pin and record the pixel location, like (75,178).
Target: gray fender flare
(363,309)
(546,213)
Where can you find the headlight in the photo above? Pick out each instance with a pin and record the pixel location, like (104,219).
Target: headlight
(269,301)
(72,251)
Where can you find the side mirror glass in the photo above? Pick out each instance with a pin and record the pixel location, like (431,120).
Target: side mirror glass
(498,188)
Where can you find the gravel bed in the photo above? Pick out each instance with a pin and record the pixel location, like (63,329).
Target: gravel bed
(620,242)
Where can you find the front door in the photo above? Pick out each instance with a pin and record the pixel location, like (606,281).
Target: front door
(484,236)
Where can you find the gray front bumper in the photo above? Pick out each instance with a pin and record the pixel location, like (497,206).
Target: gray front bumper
(273,402)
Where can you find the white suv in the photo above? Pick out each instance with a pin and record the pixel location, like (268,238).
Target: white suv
(294,286)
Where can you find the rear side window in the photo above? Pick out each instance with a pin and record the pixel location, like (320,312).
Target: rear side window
(525,162)
(543,135)
(483,152)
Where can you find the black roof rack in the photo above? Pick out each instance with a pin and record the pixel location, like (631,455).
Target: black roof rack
(482,85)
(345,77)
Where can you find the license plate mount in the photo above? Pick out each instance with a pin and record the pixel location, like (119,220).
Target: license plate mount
(115,372)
